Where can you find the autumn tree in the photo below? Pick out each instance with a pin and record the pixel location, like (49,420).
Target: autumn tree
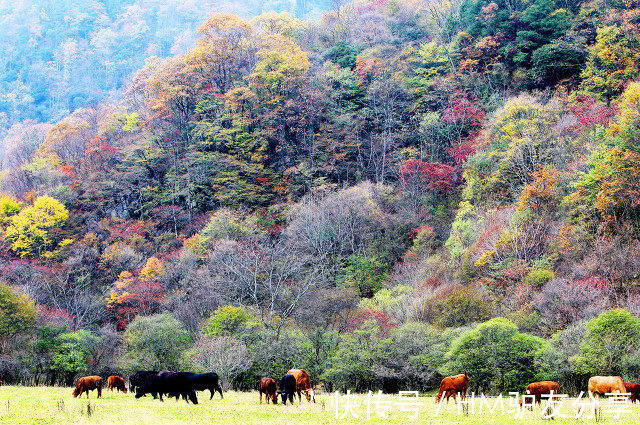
(17,315)
(34,231)
(224,53)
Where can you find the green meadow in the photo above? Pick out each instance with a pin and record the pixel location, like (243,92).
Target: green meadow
(49,405)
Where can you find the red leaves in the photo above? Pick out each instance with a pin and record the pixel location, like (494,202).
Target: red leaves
(439,178)
(589,112)
(383,320)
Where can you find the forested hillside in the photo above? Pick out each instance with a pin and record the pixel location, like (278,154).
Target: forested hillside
(394,192)
(58,56)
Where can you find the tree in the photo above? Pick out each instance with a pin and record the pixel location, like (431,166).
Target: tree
(225,53)
(34,230)
(225,355)
(156,342)
(495,356)
(72,355)
(610,345)
(17,315)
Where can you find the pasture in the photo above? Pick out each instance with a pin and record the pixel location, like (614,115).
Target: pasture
(47,405)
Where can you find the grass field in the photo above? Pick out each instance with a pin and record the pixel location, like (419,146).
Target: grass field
(47,405)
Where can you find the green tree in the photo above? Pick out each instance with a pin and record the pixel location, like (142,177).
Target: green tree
(229,320)
(610,345)
(351,366)
(33,231)
(17,315)
(495,356)
(156,342)
(72,355)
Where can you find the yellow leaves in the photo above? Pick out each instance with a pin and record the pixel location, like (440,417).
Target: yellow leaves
(30,230)
(281,59)
(152,269)
(9,206)
(484,258)
(125,280)
(278,23)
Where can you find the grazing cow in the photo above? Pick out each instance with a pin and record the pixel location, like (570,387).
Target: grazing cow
(139,378)
(303,384)
(634,389)
(117,383)
(175,384)
(268,387)
(536,389)
(606,384)
(205,381)
(88,383)
(450,385)
(287,388)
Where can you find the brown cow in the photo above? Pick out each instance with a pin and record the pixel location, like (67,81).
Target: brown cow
(606,384)
(117,383)
(88,383)
(303,384)
(452,385)
(634,389)
(536,389)
(268,387)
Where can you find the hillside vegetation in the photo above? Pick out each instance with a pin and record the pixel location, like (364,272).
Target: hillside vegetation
(397,191)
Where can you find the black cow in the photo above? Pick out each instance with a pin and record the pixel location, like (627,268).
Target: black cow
(287,388)
(139,378)
(175,384)
(205,381)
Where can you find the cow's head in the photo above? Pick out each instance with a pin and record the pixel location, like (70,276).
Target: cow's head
(438,397)
(274,398)
(310,395)
(75,392)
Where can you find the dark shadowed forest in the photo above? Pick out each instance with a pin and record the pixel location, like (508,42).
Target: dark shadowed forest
(380,192)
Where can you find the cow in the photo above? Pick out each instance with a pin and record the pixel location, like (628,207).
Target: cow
(450,385)
(268,387)
(175,384)
(606,384)
(205,381)
(634,389)
(303,384)
(287,388)
(537,389)
(117,383)
(138,379)
(86,384)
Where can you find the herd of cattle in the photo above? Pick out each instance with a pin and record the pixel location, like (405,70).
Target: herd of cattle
(598,386)
(185,385)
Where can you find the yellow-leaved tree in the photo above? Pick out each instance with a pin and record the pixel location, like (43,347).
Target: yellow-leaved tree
(33,231)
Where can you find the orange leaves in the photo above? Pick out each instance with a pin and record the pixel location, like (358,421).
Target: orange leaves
(543,193)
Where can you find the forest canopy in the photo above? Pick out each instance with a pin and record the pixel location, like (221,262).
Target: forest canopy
(376,192)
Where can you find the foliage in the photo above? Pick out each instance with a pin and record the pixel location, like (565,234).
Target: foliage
(455,306)
(228,320)
(611,344)
(34,230)
(495,356)
(17,315)
(155,342)
(72,355)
